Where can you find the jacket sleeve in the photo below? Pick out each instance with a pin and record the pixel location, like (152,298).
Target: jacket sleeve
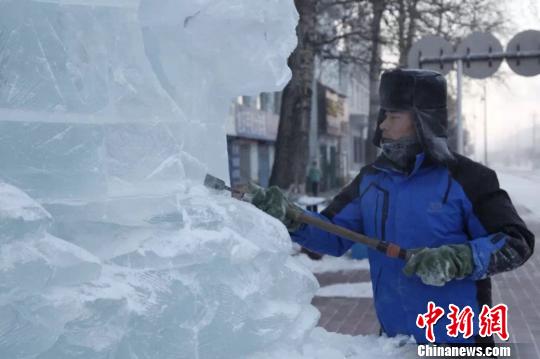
(500,239)
(345,211)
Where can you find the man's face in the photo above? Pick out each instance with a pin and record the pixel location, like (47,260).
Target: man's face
(397,124)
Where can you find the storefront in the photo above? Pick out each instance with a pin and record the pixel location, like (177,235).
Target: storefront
(250,140)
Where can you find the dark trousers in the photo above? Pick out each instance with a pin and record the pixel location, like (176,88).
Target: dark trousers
(314,188)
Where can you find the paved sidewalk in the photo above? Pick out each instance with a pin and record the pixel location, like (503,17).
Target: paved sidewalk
(352,316)
(519,289)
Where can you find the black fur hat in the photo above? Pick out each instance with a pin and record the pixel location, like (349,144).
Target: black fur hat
(424,93)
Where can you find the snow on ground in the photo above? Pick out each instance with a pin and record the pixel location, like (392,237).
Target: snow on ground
(523,186)
(311,201)
(332,264)
(348,290)
(336,264)
(322,344)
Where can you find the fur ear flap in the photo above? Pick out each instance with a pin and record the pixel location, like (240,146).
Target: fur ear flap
(434,146)
(440,151)
(378,133)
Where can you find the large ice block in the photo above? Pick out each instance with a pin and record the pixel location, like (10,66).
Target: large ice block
(122,94)
(111,113)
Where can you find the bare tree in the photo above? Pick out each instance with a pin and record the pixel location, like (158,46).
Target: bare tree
(292,141)
(405,21)
(356,32)
(375,66)
(408,20)
(330,30)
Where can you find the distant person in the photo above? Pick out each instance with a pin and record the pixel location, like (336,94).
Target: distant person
(314,178)
(448,209)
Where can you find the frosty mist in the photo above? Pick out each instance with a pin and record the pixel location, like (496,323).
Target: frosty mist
(111,112)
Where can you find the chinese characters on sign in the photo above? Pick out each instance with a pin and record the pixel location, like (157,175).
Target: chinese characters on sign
(491,321)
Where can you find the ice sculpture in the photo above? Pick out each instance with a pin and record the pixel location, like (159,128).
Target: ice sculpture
(111,112)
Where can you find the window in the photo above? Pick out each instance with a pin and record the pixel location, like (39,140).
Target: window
(258,102)
(277,102)
(267,102)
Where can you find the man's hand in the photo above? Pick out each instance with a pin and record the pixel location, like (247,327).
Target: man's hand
(275,203)
(436,266)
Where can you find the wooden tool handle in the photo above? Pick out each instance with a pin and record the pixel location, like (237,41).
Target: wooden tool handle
(296,214)
(390,249)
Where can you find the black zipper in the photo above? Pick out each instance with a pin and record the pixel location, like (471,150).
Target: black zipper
(386,201)
(448,186)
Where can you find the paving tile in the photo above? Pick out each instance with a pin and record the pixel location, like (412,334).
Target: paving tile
(519,289)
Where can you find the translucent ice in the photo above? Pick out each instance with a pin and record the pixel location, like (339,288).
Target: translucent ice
(111,112)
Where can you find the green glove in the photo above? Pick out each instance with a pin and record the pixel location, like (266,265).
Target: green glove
(274,202)
(436,266)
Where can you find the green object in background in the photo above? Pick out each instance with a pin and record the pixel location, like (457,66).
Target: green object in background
(275,203)
(436,266)
(314,174)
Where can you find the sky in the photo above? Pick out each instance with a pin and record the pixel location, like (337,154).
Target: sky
(512,102)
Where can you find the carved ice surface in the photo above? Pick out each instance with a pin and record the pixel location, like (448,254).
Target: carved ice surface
(111,113)
(188,286)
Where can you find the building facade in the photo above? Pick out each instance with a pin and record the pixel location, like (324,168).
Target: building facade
(340,111)
(251,134)
(338,129)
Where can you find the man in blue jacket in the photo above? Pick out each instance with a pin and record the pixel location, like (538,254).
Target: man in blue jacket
(419,195)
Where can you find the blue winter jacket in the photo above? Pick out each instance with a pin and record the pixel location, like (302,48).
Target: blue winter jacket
(434,205)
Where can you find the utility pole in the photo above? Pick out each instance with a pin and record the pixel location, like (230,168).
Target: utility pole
(534,150)
(313,124)
(485,125)
(459,120)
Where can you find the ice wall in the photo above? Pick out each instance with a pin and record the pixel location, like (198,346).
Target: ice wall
(127,96)
(111,112)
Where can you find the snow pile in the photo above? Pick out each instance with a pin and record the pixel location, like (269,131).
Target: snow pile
(333,264)
(311,201)
(347,290)
(325,345)
(111,112)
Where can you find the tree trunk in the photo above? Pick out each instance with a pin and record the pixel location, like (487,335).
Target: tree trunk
(401,23)
(292,143)
(406,39)
(375,65)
